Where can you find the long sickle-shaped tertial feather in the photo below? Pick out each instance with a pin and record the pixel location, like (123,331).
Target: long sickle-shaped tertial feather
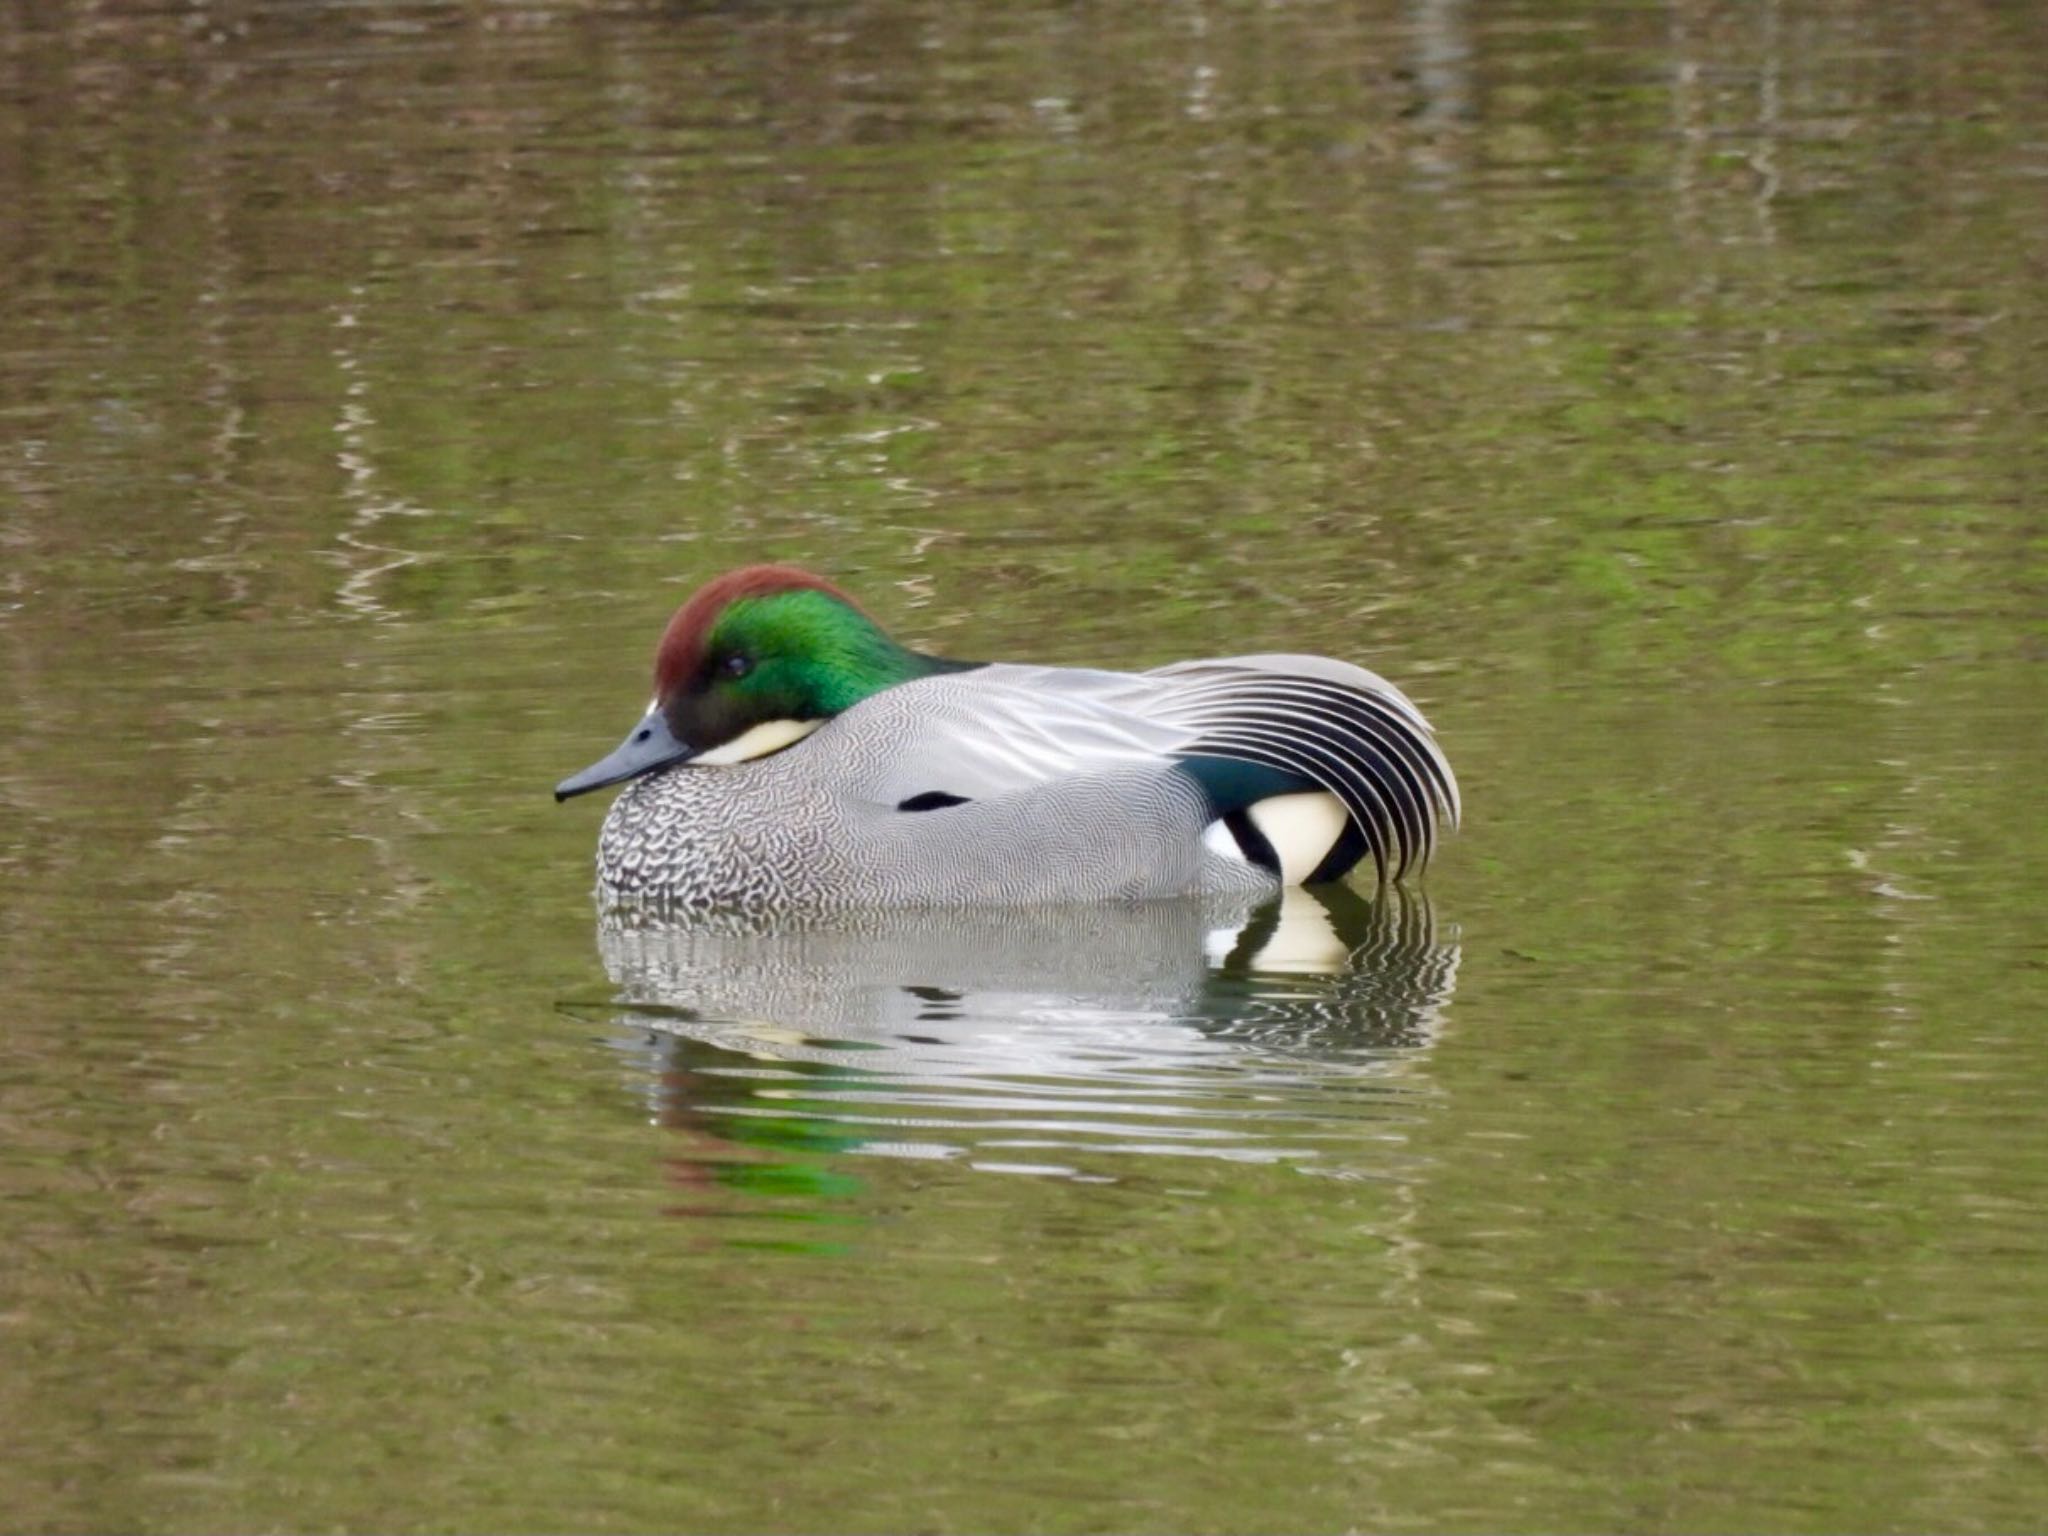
(1361,740)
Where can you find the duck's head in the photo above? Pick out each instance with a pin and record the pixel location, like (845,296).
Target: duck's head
(753,663)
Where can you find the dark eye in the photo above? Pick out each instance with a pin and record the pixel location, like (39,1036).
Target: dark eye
(738,664)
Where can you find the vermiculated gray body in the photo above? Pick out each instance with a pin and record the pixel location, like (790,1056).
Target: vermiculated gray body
(1069,778)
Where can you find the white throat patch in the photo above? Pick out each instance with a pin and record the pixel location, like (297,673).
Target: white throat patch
(759,741)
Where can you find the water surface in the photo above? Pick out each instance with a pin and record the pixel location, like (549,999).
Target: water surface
(1652,389)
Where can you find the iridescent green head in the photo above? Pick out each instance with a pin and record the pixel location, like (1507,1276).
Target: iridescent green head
(754,662)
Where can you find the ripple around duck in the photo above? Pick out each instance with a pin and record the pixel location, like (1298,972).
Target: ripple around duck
(1086,1037)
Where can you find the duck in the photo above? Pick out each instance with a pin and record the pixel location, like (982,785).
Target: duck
(796,757)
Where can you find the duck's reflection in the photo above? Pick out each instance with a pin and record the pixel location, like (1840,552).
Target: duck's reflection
(1058,1040)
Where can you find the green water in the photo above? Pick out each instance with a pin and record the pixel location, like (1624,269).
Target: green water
(1655,390)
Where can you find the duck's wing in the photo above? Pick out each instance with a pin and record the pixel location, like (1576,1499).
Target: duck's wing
(1246,729)
(1000,729)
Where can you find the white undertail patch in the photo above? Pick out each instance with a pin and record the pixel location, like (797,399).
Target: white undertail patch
(759,741)
(1217,839)
(1302,829)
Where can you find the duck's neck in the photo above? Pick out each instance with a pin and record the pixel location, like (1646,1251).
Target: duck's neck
(869,668)
(846,656)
